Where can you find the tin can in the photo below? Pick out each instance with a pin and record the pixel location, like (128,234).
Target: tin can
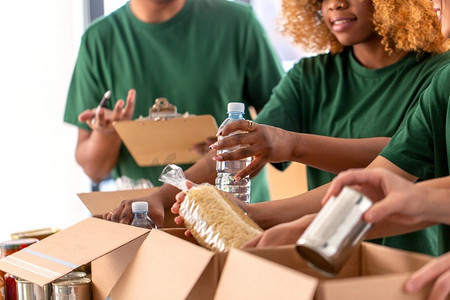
(335,232)
(75,289)
(72,276)
(9,247)
(27,290)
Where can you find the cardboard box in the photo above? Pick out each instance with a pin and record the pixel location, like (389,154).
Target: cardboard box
(99,203)
(114,245)
(169,265)
(374,272)
(171,141)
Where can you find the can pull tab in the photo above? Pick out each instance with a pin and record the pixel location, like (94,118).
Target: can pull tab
(162,110)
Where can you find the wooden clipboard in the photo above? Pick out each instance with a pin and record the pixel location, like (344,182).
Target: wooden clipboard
(156,143)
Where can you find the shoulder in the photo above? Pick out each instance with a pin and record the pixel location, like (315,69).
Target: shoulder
(106,25)
(440,82)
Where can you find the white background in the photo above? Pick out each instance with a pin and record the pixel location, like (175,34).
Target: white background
(39,175)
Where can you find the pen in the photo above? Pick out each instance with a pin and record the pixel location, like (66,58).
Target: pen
(104,100)
(102,103)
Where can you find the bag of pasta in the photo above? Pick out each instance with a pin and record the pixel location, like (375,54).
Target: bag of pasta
(215,221)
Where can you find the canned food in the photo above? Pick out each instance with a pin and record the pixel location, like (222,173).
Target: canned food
(27,290)
(79,289)
(335,232)
(9,247)
(72,276)
(37,233)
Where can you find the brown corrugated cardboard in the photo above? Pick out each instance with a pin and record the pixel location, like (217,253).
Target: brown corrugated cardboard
(373,272)
(167,267)
(155,143)
(246,276)
(100,203)
(75,246)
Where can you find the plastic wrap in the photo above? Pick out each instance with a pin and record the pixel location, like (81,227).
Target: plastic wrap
(215,221)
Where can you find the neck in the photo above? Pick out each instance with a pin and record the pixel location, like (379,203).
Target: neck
(373,55)
(156,11)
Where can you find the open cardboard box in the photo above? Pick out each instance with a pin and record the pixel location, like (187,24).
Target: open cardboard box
(169,265)
(163,264)
(374,272)
(108,246)
(100,203)
(131,263)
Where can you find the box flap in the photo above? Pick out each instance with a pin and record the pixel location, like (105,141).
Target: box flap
(246,276)
(155,143)
(377,260)
(68,249)
(99,203)
(164,266)
(388,286)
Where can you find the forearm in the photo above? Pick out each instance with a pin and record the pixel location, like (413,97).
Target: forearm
(337,154)
(98,154)
(271,213)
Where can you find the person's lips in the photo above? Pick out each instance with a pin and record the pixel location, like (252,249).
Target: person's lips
(341,23)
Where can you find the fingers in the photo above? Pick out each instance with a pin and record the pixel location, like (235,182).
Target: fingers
(253,167)
(128,111)
(241,125)
(85,116)
(441,288)
(434,269)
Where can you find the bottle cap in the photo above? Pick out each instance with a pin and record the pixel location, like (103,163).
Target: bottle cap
(236,106)
(139,206)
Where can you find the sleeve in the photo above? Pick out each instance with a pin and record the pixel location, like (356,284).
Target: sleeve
(284,107)
(262,66)
(85,89)
(413,148)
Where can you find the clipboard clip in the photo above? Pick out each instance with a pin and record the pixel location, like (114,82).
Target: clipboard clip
(162,110)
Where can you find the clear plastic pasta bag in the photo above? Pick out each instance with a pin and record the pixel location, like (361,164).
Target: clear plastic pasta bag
(214,220)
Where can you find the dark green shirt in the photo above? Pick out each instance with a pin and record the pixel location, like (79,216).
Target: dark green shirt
(422,148)
(211,53)
(333,95)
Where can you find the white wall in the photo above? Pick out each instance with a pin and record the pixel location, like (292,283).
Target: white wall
(39,176)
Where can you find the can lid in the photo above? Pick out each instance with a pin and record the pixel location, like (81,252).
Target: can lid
(18,244)
(73,282)
(236,106)
(139,206)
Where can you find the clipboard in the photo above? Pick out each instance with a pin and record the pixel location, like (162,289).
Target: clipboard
(160,141)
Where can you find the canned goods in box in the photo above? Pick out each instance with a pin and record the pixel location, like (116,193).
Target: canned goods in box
(27,290)
(75,289)
(335,232)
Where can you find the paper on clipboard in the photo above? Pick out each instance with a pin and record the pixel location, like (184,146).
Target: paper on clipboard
(155,143)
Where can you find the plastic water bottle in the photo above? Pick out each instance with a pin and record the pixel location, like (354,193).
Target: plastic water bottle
(140,215)
(226,170)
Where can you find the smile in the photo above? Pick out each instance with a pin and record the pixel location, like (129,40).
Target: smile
(341,24)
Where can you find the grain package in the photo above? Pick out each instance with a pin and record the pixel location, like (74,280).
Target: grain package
(214,220)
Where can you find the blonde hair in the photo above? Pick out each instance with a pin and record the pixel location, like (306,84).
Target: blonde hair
(404,25)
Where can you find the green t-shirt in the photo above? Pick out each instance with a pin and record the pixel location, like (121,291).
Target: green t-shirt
(422,148)
(333,95)
(211,53)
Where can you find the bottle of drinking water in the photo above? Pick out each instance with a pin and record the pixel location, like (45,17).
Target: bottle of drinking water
(226,170)
(140,215)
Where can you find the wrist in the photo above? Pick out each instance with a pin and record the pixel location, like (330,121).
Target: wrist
(296,146)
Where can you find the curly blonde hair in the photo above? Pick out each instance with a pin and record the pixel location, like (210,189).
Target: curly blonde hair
(404,25)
